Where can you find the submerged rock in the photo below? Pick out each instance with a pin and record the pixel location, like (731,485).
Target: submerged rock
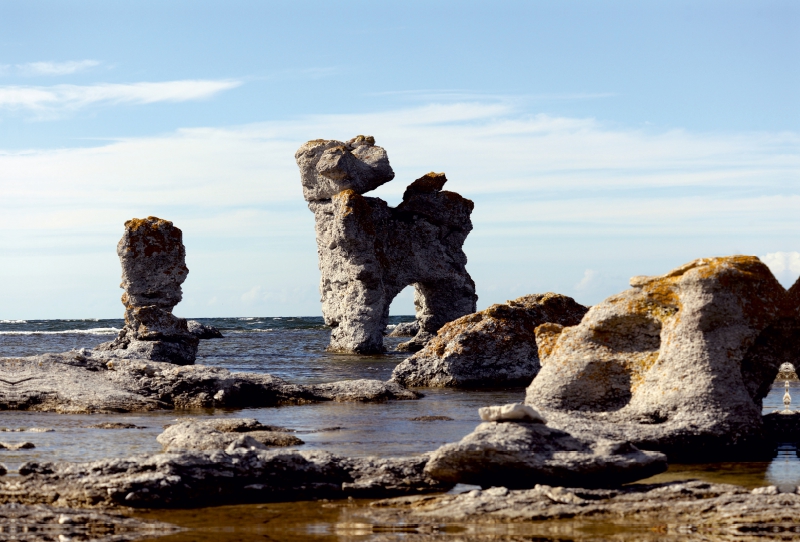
(218,434)
(679,363)
(369,252)
(198,478)
(153,262)
(87,381)
(203,331)
(493,347)
(522,454)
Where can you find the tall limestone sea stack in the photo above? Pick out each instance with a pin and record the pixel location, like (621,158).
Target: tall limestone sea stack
(153,262)
(369,252)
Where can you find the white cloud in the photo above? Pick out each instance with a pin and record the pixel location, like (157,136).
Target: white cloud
(784,265)
(555,198)
(71,97)
(56,68)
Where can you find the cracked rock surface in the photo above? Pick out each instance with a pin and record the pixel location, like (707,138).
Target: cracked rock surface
(86,381)
(369,252)
(153,262)
(679,363)
(684,503)
(235,475)
(493,347)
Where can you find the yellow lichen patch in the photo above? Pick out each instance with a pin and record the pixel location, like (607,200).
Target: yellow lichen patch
(546,338)
(638,364)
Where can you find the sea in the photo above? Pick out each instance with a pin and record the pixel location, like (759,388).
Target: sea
(293,348)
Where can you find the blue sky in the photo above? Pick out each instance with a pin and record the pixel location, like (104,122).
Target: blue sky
(599,140)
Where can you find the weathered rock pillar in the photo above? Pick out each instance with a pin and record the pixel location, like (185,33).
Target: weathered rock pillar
(369,252)
(153,262)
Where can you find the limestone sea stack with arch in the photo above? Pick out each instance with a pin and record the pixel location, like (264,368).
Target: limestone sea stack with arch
(369,252)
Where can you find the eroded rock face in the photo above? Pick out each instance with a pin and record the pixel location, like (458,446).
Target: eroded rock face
(153,262)
(218,434)
(238,474)
(520,454)
(369,252)
(86,382)
(493,347)
(679,363)
(203,331)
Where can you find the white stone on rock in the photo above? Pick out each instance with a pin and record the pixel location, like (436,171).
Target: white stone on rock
(511,412)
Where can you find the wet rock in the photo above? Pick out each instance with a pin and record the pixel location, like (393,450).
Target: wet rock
(38,523)
(432,419)
(219,434)
(114,425)
(369,252)
(493,347)
(405,329)
(516,454)
(16,445)
(693,505)
(153,262)
(87,382)
(3,470)
(235,475)
(679,363)
(203,331)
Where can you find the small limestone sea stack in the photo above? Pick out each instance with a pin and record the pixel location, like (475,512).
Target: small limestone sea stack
(678,363)
(153,262)
(369,252)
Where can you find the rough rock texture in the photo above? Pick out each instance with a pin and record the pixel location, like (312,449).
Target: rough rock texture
(493,347)
(86,381)
(511,412)
(668,506)
(369,252)
(203,331)
(153,268)
(523,454)
(210,477)
(218,434)
(405,329)
(29,523)
(679,363)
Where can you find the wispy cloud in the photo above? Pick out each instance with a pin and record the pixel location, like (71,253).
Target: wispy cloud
(784,265)
(554,197)
(48,68)
(57,98)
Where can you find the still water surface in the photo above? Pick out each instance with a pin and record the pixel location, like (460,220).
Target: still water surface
(294,349)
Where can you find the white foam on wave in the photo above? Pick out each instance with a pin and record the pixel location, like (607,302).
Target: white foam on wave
(248,330)
(13,321)
(94,331)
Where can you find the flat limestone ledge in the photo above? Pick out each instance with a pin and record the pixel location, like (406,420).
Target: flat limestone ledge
(213,477)
(686,503)
(41,522)
(86,382)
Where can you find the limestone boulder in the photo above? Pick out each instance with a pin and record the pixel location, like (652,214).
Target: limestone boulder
(153,262)
(678,363)
(405,329)
(203,331)
(493,347)
(219,433)
(518,454)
